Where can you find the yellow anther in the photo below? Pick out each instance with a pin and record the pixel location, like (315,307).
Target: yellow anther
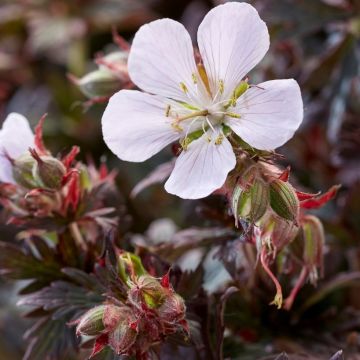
(233,115)
(194,78)
(219,139)
(167,111)
(204,78)
(183,87)
(221,86)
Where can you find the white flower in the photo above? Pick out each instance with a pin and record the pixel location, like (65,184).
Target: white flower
(15,139)
(198,103)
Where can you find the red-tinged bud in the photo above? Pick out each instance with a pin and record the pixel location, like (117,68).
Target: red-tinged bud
(48,171)
(283,200)
(275,232)
(113,314)
(123,337)
(147,290)
(23,171)
(91,322)
(314,239)
(173,308)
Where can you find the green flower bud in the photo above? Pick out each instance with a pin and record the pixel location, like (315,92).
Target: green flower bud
(314,239)
(283,200)
(23,171)
(148,290)
(129,264)
(252,203)
(99,83)
(92,322)
(48,171)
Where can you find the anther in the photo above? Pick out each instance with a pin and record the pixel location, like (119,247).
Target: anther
(183,87)
(194,78)
(221,86)
(167,111)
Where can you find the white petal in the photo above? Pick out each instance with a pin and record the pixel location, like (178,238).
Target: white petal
(15,139)
(135,127)
(270,114)
(201,169)
(232,39)
(161,58)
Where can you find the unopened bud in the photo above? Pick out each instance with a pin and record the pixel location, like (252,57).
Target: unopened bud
(314,238)
(99,83)
(48,171)
(283,200)
(123,337)
(115,60)
(92,322)
(23,171)
(149,290)
(173,308)
(130,265)
(252,203)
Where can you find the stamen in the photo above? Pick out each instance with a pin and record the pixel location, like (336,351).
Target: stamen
(194,78)
(183,87)
(205,131)
(221,86)
(219,139)
(176,126)
(167,111)
(210,124)
(193,115)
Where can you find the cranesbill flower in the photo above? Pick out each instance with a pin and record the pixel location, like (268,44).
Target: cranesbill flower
(198,104)
(16,137)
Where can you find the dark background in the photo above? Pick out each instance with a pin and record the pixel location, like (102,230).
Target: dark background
(314,41)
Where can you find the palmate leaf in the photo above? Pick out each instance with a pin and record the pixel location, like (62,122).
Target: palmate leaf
(63,299)
(51,339)
(17,263)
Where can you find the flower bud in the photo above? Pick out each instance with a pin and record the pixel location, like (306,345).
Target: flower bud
(48,171)
(283,200)
(92,322)
(252,203)
(128,265)
(173,308)
(99,83)
(148,290)
(314,238)
(23,171)
(123,337)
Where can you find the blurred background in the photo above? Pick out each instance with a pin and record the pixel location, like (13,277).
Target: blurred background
(314,41)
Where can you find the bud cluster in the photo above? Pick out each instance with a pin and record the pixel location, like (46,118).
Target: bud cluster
(152,311)
(50,192)
(263,200)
